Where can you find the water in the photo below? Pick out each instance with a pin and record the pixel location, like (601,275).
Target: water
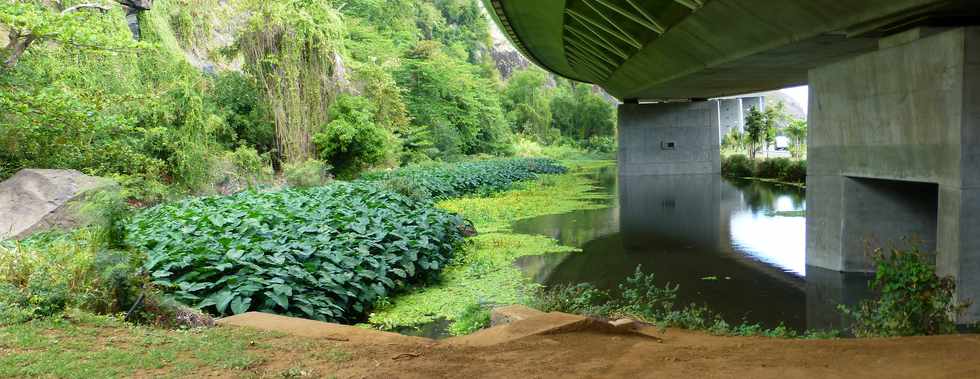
(737,246)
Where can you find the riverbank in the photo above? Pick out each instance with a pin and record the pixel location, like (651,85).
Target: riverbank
(86,347)
(483,273)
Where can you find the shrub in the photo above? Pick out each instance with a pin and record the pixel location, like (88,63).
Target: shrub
(238,100)
(639,297)
(773,168)
(352,141)
(795,172)
(49,272)
(602,144)
(737,166)
(323,253)
(311,173)
(911,299)
(474,317)
(452,180)
(582,299)
(241,169)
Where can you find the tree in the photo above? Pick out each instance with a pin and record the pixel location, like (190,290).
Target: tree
(461,109)
(775,117)
(581,114)
(734,140)
(292,48)
(756,126)
(31,21)
(352,141)
(797,133)
(526,100)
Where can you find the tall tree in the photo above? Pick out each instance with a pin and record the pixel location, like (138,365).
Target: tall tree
(526,101)
(756,126)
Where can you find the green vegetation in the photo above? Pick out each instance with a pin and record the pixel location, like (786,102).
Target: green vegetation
(911,299)
(324,253)
(352,140)
(640,298)
(219,97)
(761,130)
(780,169)
(797,131)
(48,273)
(81,345)
(484,272)
(443,181)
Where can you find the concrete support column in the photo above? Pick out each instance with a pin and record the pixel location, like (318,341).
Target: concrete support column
(669,139)
(894,153)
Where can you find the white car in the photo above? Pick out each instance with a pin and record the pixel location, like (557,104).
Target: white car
(782,143)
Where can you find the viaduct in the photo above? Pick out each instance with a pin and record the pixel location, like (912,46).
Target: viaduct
(894,113)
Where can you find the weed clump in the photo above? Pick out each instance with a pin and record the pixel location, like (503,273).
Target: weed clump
(911,299)
(642,299)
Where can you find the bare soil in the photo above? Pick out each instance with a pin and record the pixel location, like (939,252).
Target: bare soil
(526,350)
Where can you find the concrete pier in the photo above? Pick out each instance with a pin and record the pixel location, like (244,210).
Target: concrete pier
(669,138)
(894,153)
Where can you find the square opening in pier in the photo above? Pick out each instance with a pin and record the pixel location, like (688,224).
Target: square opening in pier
(882,213)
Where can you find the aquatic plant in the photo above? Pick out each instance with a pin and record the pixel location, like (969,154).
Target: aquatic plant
(444,181)
(483,272)
(323,253)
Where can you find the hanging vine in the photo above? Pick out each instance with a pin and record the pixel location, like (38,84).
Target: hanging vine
(292,49)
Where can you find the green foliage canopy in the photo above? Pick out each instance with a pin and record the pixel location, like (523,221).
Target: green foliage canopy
(581,114)
(352,141)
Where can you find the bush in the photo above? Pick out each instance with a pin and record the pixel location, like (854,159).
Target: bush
(311,173)
(737,166)
(474,317)
(241,169)
(352,141)
(795,172)
(452,180)
(323,253)
(640,298)
(602,144)
(783,169)
(773,168)
(49,272)
(911,299)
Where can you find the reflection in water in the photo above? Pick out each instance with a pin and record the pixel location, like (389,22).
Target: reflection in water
(735,245)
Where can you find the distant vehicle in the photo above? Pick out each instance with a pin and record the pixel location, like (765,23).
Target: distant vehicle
(782,143)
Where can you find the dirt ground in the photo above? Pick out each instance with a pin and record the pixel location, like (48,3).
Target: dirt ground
(527,350)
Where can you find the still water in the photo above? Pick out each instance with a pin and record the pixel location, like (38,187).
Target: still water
(737,246)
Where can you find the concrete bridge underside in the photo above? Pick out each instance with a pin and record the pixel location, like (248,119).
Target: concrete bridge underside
(894,122)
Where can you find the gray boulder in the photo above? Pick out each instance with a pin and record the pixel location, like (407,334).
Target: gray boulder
(36,200)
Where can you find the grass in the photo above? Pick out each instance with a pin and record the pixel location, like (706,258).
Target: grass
(484,272)
(82,345)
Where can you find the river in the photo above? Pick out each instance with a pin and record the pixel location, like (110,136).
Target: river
(737,246)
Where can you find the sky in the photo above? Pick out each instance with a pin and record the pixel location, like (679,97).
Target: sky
(800,94)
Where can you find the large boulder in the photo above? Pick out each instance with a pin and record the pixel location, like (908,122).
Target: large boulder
(35,200)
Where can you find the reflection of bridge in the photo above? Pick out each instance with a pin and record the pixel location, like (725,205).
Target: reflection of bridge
(894,103)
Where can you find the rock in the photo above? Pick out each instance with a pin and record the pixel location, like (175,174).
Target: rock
(512,313)
(36,200)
